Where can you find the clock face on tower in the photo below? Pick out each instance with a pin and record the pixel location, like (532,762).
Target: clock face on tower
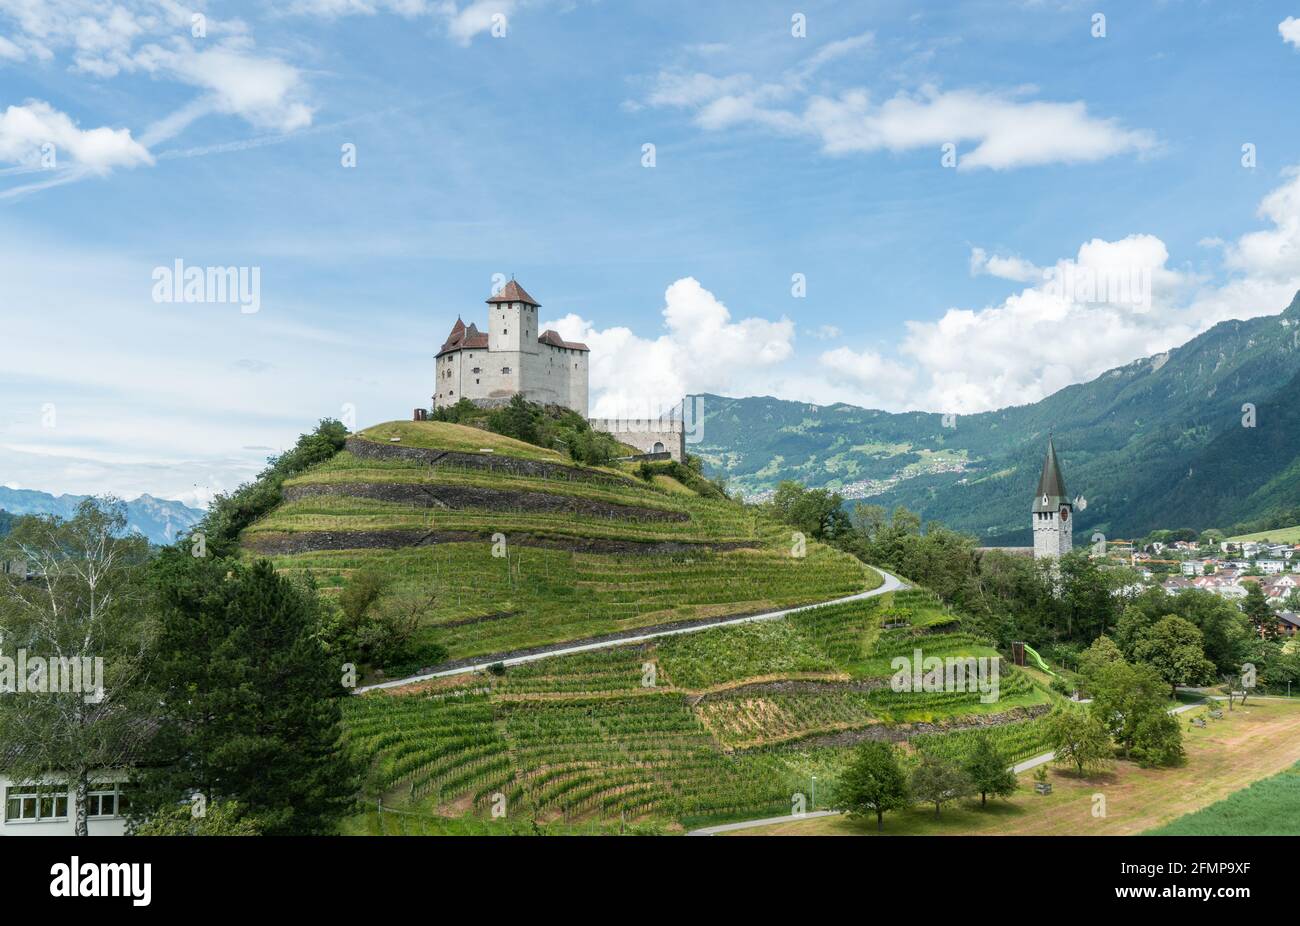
(1065,513)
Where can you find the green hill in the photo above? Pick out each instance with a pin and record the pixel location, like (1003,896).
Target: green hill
(514,546)
(1276,535)
(1156,443)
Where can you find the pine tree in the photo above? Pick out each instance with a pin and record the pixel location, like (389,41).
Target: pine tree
(251,701)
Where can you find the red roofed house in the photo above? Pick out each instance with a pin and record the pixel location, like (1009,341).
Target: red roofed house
(512,356)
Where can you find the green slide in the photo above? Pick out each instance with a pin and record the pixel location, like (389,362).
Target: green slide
(1038,659)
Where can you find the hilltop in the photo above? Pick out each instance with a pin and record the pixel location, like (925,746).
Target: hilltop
(1159,442)
(496,545)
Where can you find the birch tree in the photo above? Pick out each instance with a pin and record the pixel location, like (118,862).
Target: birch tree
(73,639)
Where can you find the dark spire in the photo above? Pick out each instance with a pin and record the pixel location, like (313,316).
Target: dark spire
(1051,485)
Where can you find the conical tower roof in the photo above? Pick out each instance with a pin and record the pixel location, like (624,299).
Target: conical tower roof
(1051,484)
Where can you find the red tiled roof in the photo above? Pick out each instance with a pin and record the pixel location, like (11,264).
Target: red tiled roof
(552,338)
(513,292)
(462,337)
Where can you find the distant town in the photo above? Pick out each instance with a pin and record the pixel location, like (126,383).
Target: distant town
(1227,568)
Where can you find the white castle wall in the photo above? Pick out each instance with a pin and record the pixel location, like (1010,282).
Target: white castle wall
(645,433)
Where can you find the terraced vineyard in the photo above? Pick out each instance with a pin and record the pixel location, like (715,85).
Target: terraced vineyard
(719,724)
(518,547)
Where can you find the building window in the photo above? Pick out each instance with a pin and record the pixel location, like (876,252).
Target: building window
(32,803)
(475,382)
(476,370)
(107,800)
(505,331)
(505,370)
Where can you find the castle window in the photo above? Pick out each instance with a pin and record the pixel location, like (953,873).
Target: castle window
(505,330)
(477,370)
(505,370)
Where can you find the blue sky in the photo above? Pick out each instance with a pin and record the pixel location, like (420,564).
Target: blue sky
(522,153)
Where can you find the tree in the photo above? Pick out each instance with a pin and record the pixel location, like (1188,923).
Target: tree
(987,770)
(1173,647)
(85,711)
(1080,738)
(1101,653)
(1123,695)
(1158,740)
(937,780)
(250,698)
(873,783)
(221,818)
(1261,616)
(517,419)
(818,513)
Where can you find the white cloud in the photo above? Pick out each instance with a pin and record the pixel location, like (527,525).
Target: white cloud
(25,129)
(1070,328)
(1289,29)
(264,91)
(1273,253)
(106,39)
(1008,268)
(992,130)
(702,350)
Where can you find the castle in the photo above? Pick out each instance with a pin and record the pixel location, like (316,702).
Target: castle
(1052,510)
(511,358)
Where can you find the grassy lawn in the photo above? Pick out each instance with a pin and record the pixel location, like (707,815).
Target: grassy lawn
(442,435)
(1277,535)
(1251,743)
(1269,807)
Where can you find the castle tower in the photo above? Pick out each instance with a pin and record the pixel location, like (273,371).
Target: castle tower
(1052,510)
(512,320)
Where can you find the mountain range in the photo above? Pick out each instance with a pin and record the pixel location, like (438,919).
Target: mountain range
(1204,435)
(158,519)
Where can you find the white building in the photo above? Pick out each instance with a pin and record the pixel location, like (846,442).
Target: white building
(47,809)
(1270,567)
(1051,511)
(512,357)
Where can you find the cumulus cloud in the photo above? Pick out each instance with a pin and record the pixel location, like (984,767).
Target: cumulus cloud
(1111,303)
(1007,268)
(703,349)
(1289,29)
(1001,130)
(25,130)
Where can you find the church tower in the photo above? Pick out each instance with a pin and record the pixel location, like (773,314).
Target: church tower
(1052,510)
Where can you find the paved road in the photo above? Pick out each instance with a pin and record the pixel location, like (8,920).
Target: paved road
(891,583)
